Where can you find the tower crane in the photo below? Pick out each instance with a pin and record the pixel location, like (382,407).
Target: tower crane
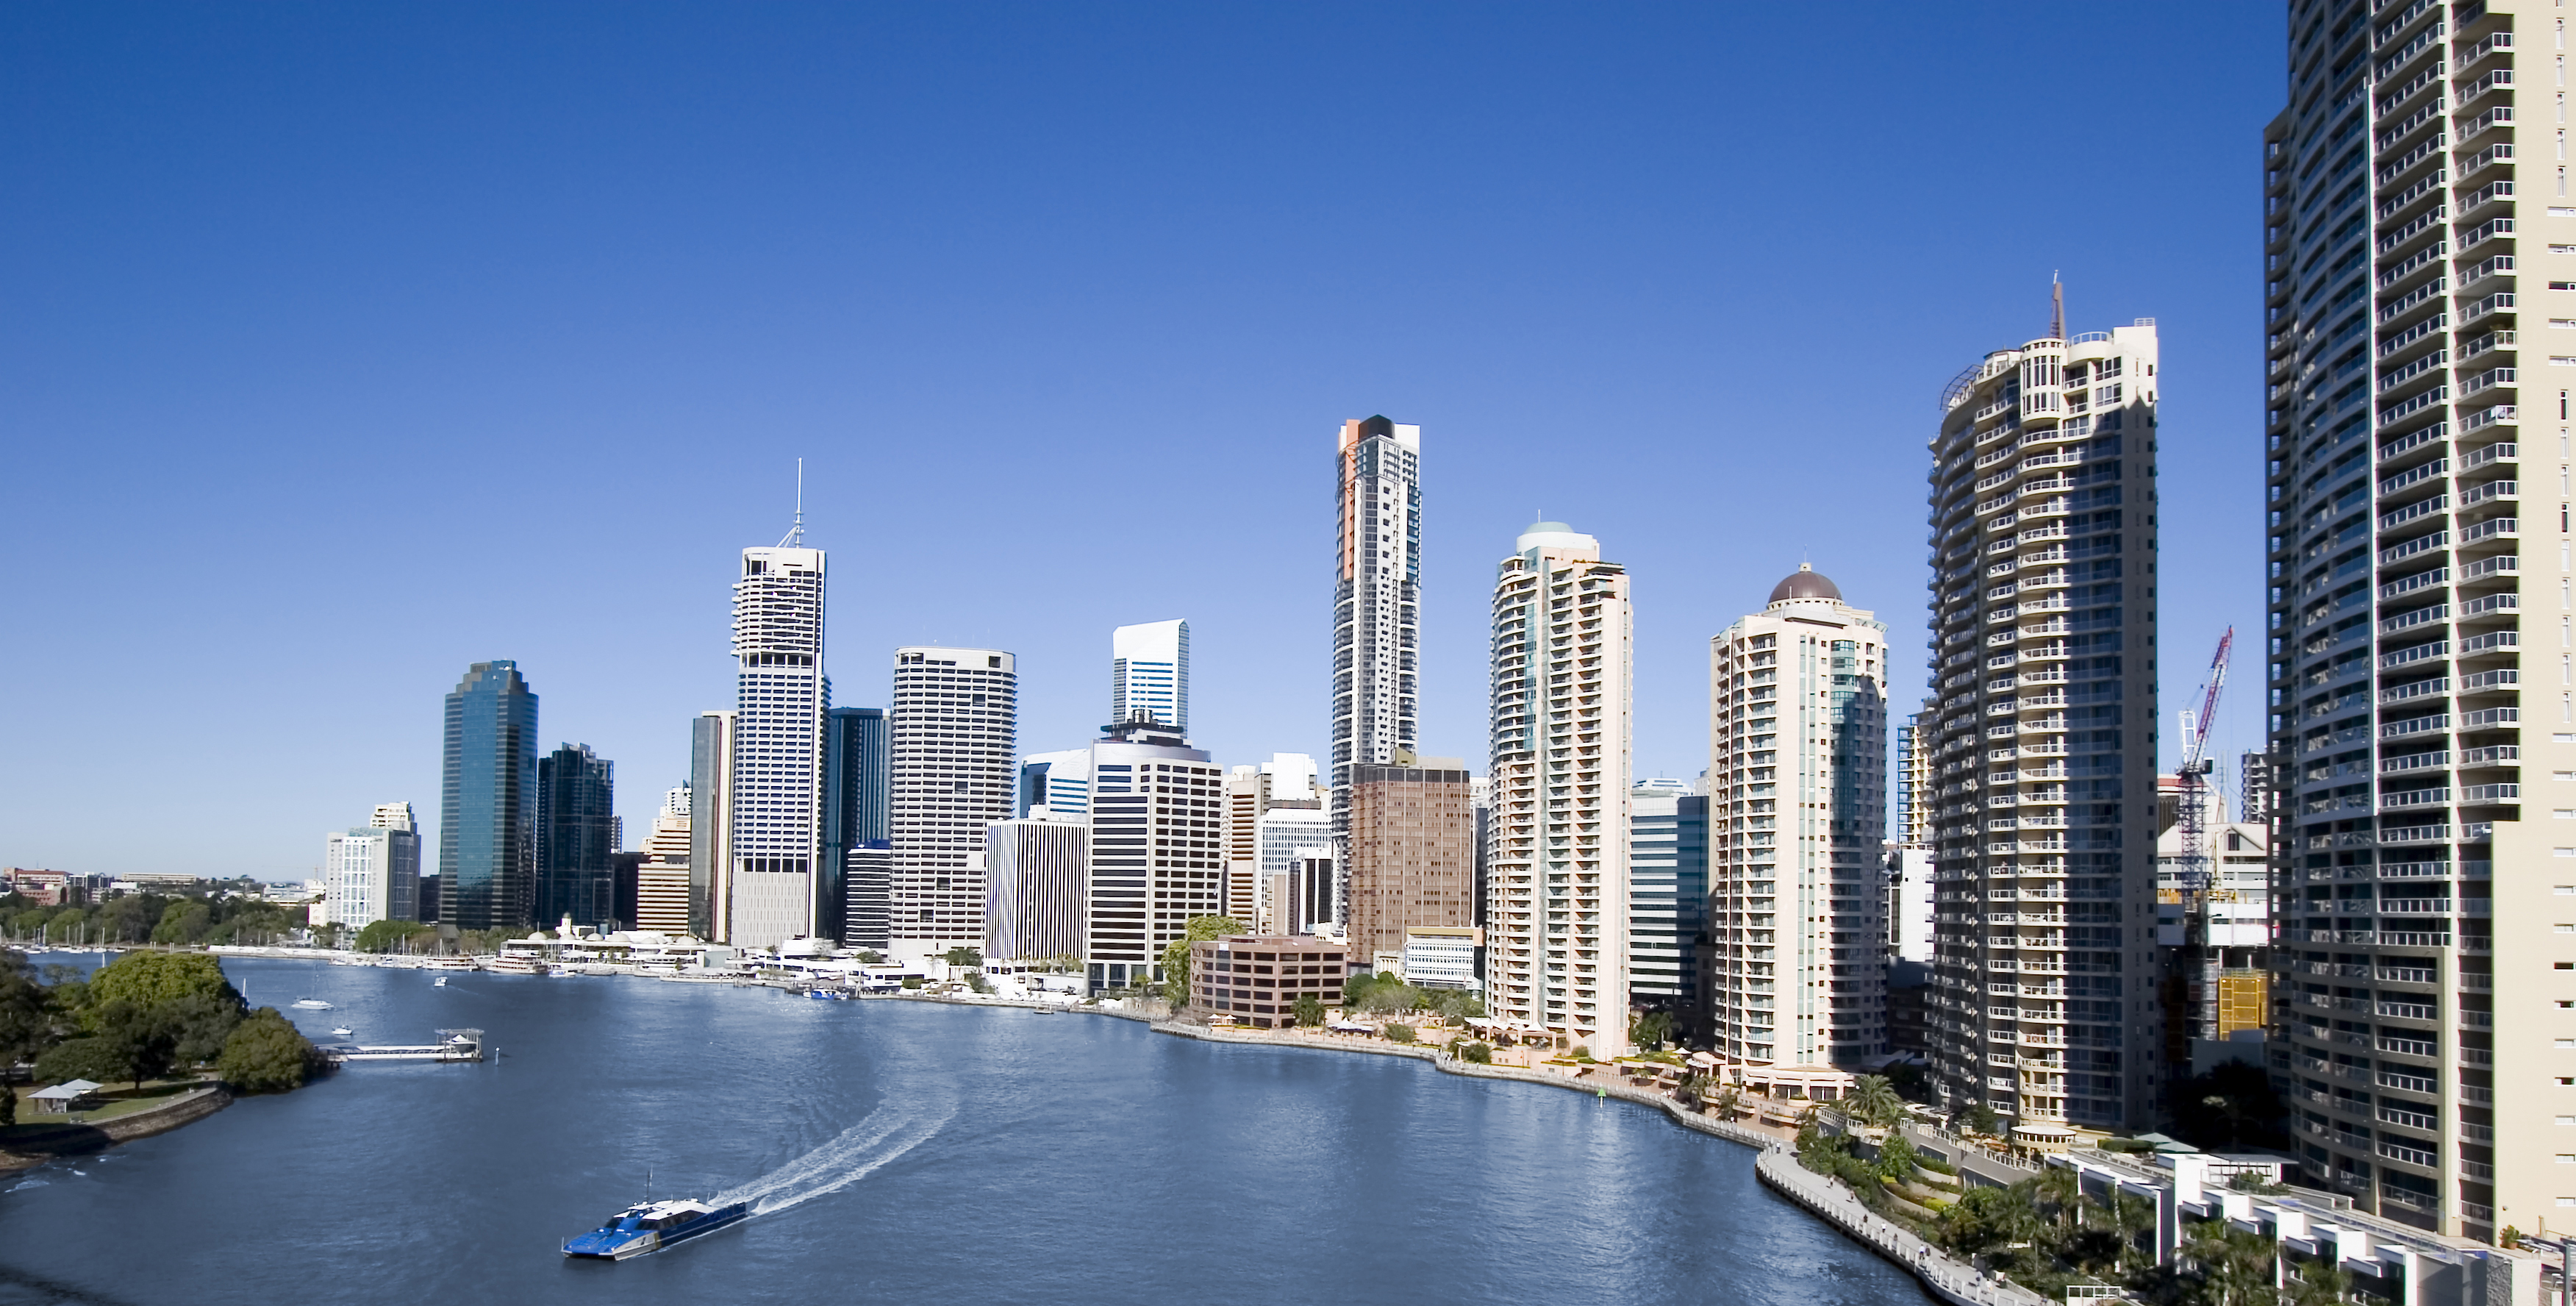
(2193,819)
(2194,774)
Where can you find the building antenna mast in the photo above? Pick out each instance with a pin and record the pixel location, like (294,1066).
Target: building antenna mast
(2056,308)
(796,534)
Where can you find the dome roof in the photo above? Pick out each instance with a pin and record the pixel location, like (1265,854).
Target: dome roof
(1805,583)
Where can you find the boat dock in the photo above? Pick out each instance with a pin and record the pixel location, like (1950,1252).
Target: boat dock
(459,1045)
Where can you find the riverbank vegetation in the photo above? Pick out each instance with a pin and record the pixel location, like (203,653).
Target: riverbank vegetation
(208,912)
(146,1016)
(2046,1234)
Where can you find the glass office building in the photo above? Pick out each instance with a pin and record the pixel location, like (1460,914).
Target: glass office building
(576,838)
(487,834)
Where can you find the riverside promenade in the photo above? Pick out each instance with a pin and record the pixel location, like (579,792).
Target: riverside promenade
(1776,1165)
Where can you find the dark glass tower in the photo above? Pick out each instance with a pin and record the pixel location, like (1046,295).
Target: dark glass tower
(857,781)
(576,836)
(487,832)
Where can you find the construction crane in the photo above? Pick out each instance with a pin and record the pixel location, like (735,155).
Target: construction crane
(2194,773)
(2197,884)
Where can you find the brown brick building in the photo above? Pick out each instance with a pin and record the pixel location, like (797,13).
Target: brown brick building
(1412,855)
(1256,978)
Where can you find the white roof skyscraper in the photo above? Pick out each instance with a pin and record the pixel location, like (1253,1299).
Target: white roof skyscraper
(1377,602)
(1149,674)
(955,733)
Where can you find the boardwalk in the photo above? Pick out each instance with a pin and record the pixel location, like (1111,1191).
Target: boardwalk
(1949,1279)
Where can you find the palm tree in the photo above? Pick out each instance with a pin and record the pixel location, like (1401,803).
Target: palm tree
(2058,1186)
(2131,1216)
(2320,1284)
(1874,1099)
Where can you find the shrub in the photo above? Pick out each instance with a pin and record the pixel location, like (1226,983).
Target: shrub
(1479,1053)
(1398,1033)
(267,1055)
(912,981)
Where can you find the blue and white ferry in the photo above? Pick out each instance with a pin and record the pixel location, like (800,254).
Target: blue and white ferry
(651,1226)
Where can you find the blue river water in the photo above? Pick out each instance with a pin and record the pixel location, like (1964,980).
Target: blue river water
(900,1152)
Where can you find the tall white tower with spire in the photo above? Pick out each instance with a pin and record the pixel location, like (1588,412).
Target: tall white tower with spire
(781,698)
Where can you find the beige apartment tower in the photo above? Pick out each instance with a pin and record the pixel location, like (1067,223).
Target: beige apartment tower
(1413,854)
(2416,202)
(1797,824)
(1557,872)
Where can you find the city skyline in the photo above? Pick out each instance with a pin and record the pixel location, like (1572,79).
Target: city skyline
(1636,325)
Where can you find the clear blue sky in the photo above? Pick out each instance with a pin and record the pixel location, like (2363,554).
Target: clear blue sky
(349,344)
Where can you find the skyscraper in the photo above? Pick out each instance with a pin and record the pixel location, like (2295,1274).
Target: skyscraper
(1156,854)
(1667,902)
(1377,602)
(1557,879)
(576,834)
(662,880)
(1413,860)
(955,728)
(1149,673)
(2044,741)
(857,780)
(1292,871)
(781,698)
(711,800)
(487,829)
(1797,774)
(2424,943)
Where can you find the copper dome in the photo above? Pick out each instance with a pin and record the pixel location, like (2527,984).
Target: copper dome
(1805,583)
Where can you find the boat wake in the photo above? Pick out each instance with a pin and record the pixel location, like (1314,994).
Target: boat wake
(887,1133)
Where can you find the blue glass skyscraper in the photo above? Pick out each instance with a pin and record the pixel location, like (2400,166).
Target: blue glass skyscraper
(857,780)
(576,837)
(487,831)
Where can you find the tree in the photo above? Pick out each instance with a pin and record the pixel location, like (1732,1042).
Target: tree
(1176,954)
(1874,1099)
(1480,1053)
(1650,1029)
(267,1055)
(1309,1010)
(26,1018)
(145,1038)
(99,1060)
(149,979)
(181,922)
(1896,1159)
(961,955)
(1978,1118)
(390,935)
(2320,1284)
(1398,1033)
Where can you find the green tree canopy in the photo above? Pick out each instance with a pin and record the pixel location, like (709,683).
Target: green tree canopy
(183,921)
(1310,1010)
(1650,1029)
(1176,954)
(268,1055)
(26,1017)
(99,1060)
(1874,1099)
(961,955)
(149,979)
(390,936)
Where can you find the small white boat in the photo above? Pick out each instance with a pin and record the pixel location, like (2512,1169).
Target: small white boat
(342,1032)
(312,1004)
(439,983)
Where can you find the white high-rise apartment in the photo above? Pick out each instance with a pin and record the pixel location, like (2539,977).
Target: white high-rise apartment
(1149,673)
(2425,955)
(1377,602)
(955,728)
(2044,1002)
(781,701)
(1557,873)
(372,873)
(1797,777)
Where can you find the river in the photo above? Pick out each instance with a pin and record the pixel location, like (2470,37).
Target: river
(901,1152)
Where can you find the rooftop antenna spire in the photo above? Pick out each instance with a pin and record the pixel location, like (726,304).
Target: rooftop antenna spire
(2056,308)
(796,534)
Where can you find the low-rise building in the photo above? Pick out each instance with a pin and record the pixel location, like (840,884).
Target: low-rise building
(1256,979)
(1443,957)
